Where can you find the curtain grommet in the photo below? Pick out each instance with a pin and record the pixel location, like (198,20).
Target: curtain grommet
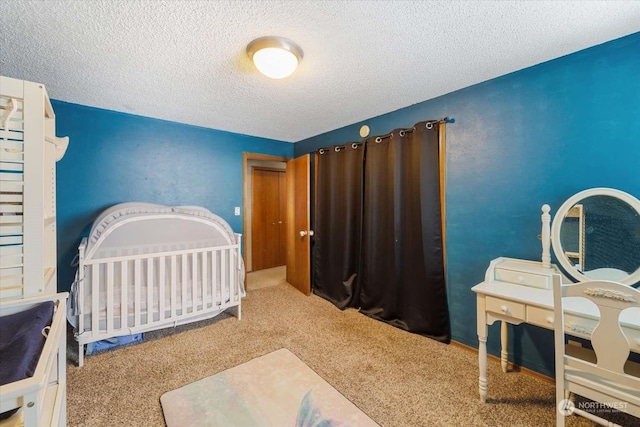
(337,149)
(378,140)
(321,151)
(354,145)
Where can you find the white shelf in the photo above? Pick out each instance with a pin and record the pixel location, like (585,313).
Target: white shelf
(29,200)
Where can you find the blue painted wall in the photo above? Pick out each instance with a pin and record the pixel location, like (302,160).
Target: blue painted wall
(115,157)
(535,136)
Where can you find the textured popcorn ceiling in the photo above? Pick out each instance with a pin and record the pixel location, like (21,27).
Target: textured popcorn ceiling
(185,61)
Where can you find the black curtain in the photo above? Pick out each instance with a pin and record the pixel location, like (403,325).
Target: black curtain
(338,221)
(395,249)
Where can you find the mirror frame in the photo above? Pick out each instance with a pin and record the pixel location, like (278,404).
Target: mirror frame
(558,219)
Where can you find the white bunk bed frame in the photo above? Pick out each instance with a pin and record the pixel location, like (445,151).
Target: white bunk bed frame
(184,263)
(29,150)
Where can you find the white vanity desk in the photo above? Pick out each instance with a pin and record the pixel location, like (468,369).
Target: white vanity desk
(516,291)
(514,303)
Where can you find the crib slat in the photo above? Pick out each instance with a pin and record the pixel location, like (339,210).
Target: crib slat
(174,297)
(81,291)
(161,283)
(124,294)
(223,275)
(214,277)
(137,285)
(109,297)
(203,276)
(223,268)
(194,282)
(183,285)
(95,294)
(149,290)
(233,289)
(210,286)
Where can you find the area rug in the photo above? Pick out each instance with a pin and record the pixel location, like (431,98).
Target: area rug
(276,389)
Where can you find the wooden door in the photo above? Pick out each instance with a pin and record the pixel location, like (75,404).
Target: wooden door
(268,238)
(282,215)
(298,224)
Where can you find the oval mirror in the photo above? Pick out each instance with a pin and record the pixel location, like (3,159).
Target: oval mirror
(596,236)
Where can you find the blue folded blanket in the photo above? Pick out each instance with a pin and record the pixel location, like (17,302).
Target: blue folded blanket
(21,342)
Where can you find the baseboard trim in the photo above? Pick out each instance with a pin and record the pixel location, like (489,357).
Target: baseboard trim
(510,366)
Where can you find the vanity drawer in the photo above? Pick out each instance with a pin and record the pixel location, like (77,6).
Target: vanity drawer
(508,308)
(521,277)
(573,325)
(540,317)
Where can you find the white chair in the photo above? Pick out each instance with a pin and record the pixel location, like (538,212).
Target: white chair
(606,377)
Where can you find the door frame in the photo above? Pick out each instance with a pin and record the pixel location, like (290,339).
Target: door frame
(246,198)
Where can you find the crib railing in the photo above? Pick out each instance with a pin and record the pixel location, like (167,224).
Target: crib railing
(133,293)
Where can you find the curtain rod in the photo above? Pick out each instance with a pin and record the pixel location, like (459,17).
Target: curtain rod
(429,125)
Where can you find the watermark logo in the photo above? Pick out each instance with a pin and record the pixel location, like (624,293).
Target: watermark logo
(566,407)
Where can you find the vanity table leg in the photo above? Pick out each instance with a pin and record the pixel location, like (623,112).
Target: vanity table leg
(483,331)
(504,341)
(482,363)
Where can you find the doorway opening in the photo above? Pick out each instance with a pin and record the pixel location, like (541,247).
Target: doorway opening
(264,225)
(259,279)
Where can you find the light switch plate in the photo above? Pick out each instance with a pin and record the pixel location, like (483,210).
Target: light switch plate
(237,211)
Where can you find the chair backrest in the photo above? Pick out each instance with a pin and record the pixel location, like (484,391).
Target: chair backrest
(609,342)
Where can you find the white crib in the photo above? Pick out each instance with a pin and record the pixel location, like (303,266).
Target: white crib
(145,267)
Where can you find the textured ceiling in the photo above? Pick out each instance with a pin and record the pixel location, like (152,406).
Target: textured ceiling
(185,61)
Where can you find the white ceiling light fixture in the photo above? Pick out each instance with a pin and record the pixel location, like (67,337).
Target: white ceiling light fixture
(275,57)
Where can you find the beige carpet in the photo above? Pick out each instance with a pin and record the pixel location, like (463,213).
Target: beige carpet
(397,378)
